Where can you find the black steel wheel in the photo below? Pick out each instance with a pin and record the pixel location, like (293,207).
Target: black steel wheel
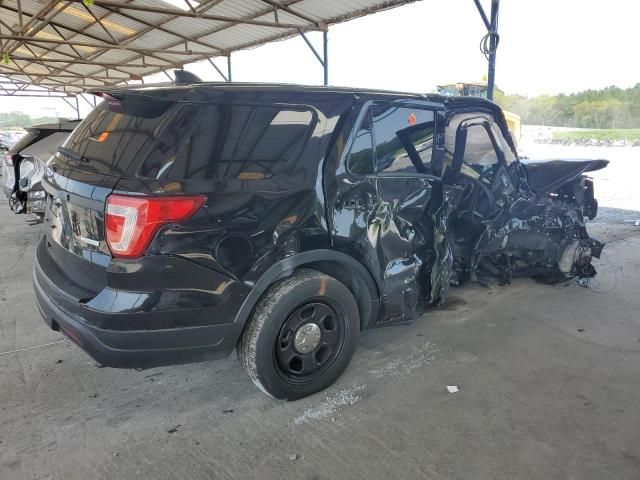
(301,336)
(310,339)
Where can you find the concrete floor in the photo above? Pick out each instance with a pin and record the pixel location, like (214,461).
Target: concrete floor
(548,379)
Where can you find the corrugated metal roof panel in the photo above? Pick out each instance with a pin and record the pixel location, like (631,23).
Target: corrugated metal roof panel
(158,31)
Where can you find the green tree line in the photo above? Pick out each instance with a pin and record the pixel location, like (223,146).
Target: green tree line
(17,119)
(611,107)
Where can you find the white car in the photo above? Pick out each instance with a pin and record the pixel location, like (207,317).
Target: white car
(23,165)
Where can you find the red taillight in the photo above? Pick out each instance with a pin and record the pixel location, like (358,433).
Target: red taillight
(131,222)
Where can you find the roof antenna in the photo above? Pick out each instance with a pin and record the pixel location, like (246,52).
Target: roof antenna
(183,76)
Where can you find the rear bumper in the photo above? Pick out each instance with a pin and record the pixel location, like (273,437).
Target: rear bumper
(127,348)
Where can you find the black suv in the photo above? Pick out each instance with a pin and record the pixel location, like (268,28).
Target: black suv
(184,221)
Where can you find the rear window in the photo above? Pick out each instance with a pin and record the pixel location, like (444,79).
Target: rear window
(246,142)
(154,139)
(118,132)
(25,141)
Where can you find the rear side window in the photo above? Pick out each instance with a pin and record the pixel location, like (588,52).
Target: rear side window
(393,139)
(245,142)
(404,138)
(153,138)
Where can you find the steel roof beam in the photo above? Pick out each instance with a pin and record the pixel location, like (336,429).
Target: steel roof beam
(77,76)
(286,8)
(99,22)
(139,56)
(56,24)
(203,16)
(30,25)
(43,85)
(34,95)
(204,8)
(225,77)
(112,66)
(98,53)
(44,62)
(105,46)
(159,26)
(151,27)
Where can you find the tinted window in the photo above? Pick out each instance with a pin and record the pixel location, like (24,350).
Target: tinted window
(361,155)
(479,149)
(404,138)
(25,141)
(117,133)
(165,149)
(242,141)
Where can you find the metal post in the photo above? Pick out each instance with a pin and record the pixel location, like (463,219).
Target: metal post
(493,42)
(229,68)
(324,59)
(226,79)
(325,64)
(78,107)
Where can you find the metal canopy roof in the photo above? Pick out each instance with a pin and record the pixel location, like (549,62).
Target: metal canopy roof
(62,47)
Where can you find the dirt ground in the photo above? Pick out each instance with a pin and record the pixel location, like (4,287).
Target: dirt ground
(547,376)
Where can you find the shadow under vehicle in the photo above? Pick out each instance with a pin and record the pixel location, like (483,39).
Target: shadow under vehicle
(186,221)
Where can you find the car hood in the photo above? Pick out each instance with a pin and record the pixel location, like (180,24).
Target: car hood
(548,175)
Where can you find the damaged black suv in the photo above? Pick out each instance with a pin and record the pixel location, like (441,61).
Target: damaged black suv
(185,221)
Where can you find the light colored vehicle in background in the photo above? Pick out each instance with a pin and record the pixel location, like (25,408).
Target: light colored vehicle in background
(24,164)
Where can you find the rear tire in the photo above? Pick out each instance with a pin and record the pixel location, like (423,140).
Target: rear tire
(301,335)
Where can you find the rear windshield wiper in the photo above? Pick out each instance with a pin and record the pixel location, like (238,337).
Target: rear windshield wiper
(73,155)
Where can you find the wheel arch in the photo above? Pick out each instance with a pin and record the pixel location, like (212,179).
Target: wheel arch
(339,265)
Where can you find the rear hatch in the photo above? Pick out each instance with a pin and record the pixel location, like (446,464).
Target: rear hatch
(84,171)
(8,175)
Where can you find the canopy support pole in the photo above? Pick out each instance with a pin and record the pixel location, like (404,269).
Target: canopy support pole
(75,107)
(325,64)
(493,38)
(324,59)
(224,77)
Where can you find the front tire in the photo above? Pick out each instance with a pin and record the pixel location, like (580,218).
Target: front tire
(301,335)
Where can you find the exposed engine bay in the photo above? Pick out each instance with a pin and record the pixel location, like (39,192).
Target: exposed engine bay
(515,218)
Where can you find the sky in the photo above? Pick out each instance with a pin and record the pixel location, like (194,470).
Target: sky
(546,47)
